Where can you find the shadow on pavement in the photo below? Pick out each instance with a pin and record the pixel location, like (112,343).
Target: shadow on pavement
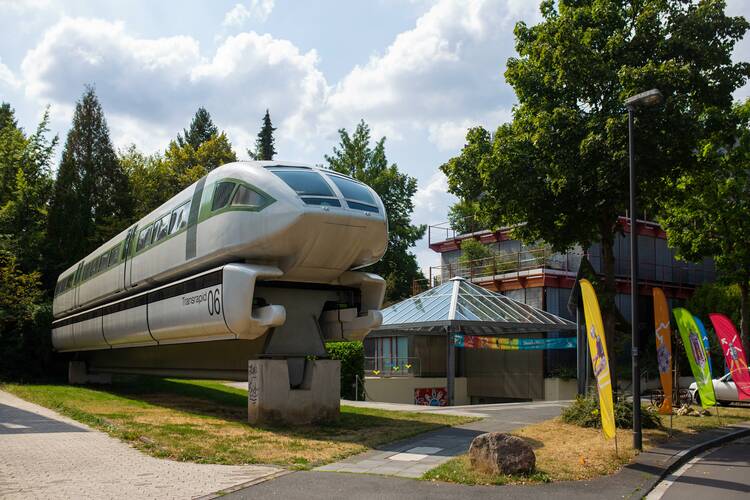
(15,421)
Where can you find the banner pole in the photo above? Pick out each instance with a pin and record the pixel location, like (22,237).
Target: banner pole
(718,416)
(617,453)
(671,430)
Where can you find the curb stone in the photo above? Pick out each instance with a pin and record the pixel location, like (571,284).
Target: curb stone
(682,457)
(247,484)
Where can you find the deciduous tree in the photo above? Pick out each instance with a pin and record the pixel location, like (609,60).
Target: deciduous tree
(25,189)
(559,170)
(355,156)
(709,213)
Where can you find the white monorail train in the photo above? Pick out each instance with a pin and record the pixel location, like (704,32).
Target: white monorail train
(254,259)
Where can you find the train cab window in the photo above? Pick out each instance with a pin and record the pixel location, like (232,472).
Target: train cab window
(244,196)
(180,217)
(144,238)
(162,228)
(357,195)
(222,195)
(310,186)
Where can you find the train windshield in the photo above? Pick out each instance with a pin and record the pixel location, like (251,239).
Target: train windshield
(310,186)
(357,195)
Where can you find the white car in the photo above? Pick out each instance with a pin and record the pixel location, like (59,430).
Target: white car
(724,387)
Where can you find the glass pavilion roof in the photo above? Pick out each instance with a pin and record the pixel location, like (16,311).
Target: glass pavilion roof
(461,306)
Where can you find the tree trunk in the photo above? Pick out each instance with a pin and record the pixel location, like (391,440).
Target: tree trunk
(745,316)
(608,307)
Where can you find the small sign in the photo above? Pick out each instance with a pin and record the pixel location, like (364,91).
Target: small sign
(431,396)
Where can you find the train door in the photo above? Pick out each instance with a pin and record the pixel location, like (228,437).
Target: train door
(126,259)
(77,289)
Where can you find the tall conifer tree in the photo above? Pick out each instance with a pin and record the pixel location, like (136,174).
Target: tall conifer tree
(264,144)
(201,129)
(91,201)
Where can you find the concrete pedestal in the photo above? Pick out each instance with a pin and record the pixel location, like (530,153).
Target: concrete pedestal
(79,374)
(270,399)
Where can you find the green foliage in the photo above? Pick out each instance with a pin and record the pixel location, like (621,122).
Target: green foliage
(201,129)
(584,412)
(352,357)
(708,212)
(187,164)
(558,172)
(715,297)
(464,217)
(264,144)
(91,201)
(355,157)
(25,319)
(25,188)
(155,178)
(472,250)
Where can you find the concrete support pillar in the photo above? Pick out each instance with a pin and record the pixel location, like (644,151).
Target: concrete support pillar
(78,374)
(270,398)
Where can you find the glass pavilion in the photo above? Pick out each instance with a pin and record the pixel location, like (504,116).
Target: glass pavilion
(459,306)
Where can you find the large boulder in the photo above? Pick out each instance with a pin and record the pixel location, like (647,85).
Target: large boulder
(500,453)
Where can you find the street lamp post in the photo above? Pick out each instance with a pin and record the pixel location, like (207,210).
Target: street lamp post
(643,100)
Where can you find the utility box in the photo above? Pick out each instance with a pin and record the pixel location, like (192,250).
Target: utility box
(272,399)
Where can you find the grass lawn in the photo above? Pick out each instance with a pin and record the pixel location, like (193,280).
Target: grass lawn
(206,422)
(566,452)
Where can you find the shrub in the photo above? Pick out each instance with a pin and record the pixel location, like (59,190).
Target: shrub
(352,357)
(584,412)
(25,319)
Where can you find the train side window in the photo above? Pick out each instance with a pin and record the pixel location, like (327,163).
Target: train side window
(222,195)
(113,255)
(180,218)
(104,262)
(247,197)
(162,228)
(143,238)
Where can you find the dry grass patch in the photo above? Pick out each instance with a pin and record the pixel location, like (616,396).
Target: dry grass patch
(203,421)
(566,452)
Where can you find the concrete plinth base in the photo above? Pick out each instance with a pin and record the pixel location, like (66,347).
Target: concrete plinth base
(271,400)
(78,374)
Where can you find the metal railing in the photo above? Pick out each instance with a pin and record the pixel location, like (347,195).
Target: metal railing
(500,264)
(392,366)
(675,273)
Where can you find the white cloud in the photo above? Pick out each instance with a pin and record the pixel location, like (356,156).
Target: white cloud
(239,14)
(24,5)
(7,77)
(441,75)
(159,83)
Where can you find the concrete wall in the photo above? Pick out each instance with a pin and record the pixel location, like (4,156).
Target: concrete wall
(557,389)
(401,389)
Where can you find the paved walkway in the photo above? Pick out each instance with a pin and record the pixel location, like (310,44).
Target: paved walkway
(632,482)
(45,455)
(413,457)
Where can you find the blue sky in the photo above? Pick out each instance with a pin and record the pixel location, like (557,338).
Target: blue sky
(419,72)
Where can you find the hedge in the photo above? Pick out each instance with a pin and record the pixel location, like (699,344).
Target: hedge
(352,357)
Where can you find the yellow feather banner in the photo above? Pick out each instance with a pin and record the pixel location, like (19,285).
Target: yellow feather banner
(599,357)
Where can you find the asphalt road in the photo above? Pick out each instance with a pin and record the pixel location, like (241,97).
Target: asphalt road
(314,485)
(722,473)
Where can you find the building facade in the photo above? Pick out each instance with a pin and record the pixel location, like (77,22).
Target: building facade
(535,275)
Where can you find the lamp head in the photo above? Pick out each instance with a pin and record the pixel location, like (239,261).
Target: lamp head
(644,100)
